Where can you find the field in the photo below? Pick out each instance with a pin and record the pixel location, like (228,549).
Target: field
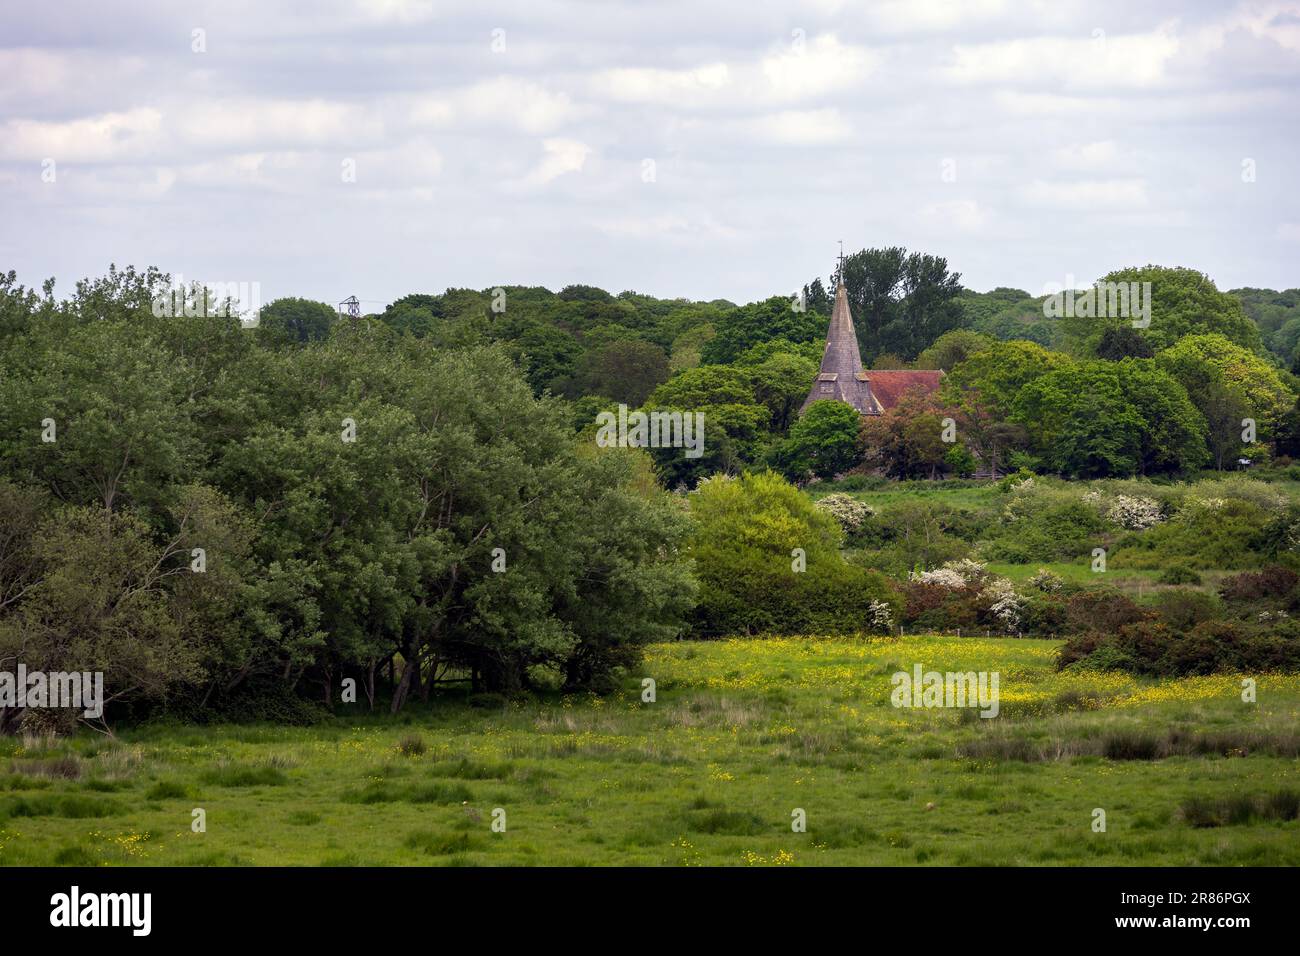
(741,734)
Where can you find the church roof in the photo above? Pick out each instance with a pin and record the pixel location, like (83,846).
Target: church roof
(889,385)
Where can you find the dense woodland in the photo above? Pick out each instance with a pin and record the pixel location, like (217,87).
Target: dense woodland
(230,521)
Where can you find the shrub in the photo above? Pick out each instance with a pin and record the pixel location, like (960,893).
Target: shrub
(1005,605)
(1240,808)
(1133,514)
(1179,574)
(1043,615)
(745,531)
(1049,582)
(962,573)
(937,607)
(962,596)
(1182,608)
(1045,526)
(1100,609)
(848,512)
(1131,745)
(166,790)
(1206,533)
(1152,648)
(1271,582)
(1093,652)
(1022,478)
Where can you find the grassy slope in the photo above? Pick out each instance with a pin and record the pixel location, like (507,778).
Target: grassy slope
(742,733)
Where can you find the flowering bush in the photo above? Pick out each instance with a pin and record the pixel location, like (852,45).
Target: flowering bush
(880,616)
(1049,582)
(1005,604)
(848,511)
(955,574)
(1133,513)
(942,577)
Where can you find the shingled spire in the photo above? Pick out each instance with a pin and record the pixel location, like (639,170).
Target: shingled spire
(841,376)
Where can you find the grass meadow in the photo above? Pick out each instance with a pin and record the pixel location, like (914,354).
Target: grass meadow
(741,734)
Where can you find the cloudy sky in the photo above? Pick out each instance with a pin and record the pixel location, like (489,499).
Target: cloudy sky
(701,149)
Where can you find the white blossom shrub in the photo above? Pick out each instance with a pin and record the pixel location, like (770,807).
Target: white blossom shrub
(944,577)
(1049,582)
(880,617)
(1006,605)
(955,574)
(849,512)
(1133,513)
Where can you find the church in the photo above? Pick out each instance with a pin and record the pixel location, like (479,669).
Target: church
(842,378)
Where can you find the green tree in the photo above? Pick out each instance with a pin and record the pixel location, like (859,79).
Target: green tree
(952,348)
(1000,372)
(1099,419)
(1183,302)
(745,530)
(901,302)
(823,442)
(741,329)
(1123,341)
(781,382)
(1258,382)
(293,321)
(627,371)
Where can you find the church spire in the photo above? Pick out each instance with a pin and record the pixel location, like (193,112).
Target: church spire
(841,376)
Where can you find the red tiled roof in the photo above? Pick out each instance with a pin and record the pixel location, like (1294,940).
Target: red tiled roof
(888,385)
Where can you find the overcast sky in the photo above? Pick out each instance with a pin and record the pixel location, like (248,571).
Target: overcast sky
(700,149)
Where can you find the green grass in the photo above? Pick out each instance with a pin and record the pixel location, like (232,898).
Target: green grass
(742,734)
(969,496)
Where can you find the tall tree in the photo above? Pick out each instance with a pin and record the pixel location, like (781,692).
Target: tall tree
(901,302)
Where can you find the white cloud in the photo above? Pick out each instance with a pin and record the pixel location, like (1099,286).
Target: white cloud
(1097,61)
(105,138)
(685,88)
(1087,156)
(235,123)
(823,65)
(1088,194)
(501,102)
(804,69)
(1134,142)
(916,16)
(559,156)
(668,226)
(799,127)
(401,11)
(963,215)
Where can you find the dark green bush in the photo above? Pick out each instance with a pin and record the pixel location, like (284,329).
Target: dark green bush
(1271,582)
(1151,648)
(1183,608)
(1100,609)
(1044,615)
(1179,574)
